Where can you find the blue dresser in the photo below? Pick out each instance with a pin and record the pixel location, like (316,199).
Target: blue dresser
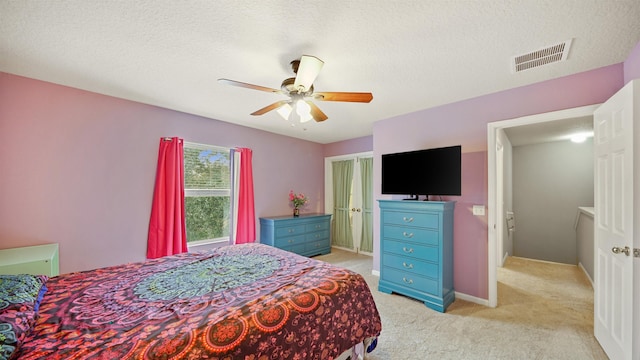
(307,235)
(416,251)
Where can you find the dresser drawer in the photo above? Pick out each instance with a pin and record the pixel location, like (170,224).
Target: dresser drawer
(289,240)
(411,265)
(311,247)
(423,252)
(318,235)
(409,280)
(423,236)
(290,230)
(428,220)
(297,248)
(317,226)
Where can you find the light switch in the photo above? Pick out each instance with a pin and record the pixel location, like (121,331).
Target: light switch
(478,210)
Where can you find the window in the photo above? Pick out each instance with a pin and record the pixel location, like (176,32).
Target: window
(207,194)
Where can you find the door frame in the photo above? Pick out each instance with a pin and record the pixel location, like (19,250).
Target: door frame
(492,171)
(328,181)
(500,207)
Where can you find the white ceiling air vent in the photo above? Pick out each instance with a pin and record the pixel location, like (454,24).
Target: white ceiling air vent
(541,57)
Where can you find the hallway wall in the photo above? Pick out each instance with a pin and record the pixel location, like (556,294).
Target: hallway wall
(550,182)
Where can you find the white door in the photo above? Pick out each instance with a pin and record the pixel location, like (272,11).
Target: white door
(614,218)
(356,205)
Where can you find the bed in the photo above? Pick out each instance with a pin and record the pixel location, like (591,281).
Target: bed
(248,302)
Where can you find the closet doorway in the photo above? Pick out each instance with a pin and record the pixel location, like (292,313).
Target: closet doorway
(499,239)
(349,198)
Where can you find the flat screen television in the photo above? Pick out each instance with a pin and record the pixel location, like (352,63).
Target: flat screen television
(423,172)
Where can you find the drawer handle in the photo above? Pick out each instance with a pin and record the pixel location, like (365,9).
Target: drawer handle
(407,281)
(291,230)
(406,219)
(291,241)
(407,235)
(408,251)
(410,266)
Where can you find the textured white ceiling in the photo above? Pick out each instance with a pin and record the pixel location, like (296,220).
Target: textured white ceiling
(411,55)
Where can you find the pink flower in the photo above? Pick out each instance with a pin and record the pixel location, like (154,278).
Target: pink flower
(297,199)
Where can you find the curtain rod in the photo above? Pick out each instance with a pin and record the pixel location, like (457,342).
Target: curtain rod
(170,139)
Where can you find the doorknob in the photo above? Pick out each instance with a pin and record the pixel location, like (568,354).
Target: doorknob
(625,250)
(636,253)
(353,209)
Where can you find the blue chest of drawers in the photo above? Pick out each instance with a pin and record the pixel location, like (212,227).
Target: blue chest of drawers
(416,251)
(307,235)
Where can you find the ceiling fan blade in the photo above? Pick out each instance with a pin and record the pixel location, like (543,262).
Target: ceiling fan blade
(343,96)
(248,86)
(317,114)
(268,108)
(308,70)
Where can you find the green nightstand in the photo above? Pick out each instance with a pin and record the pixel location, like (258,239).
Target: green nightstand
(34,260)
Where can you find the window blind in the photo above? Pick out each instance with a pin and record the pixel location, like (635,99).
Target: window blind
(206,170)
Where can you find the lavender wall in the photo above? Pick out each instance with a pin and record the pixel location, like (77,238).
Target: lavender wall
(78,169)
(352,146)
(632,65)
(465,123)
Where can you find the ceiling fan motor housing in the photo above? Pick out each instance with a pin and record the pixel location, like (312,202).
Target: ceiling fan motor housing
(294,65)
(289,88)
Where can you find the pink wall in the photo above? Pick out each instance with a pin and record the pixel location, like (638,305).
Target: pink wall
(78,169)
(465,123)
(471,232)
(632,65)
(352,146)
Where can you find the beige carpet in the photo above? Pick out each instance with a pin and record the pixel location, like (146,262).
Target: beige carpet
(545,311)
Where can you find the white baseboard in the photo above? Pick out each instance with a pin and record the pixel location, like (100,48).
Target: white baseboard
(472,299)
(375,273)
(504,258)
(543,261)
(586,273)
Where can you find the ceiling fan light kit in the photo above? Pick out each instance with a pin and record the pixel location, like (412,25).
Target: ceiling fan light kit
(284,111)
(303,110)
(300,91)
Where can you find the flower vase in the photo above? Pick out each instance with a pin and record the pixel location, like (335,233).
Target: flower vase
(296,212)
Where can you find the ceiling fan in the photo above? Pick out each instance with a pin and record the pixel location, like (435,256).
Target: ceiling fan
(300,91)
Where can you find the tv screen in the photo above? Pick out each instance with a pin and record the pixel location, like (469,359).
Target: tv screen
(423,172)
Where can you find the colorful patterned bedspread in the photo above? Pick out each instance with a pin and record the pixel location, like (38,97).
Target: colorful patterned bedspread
(245,302)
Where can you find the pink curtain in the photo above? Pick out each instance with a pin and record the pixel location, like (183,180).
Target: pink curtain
(246,227)
(167,229)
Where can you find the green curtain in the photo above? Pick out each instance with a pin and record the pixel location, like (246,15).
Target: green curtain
(341,229)
(366,173)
